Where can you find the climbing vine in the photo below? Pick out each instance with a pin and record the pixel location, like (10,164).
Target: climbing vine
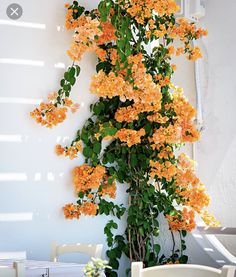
(143,117)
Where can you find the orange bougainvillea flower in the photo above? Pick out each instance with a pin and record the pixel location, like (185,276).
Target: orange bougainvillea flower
(87,177)
(165,170)
(131,137)
(108,189)
(210,219)
(59,150)
(108,33)
(71,211)
(71,152)
(49,115)
(88,208)
(184,221)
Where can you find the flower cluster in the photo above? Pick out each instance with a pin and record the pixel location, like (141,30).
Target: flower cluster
(89,208)
(108,189)
(144,92)
(165,170)
(188,187)
(130,137)
(184,221)
(71,152)
(142,10)
(89,34)
(49,115)
(210,219)
(86,177)
(52,113)
(84,37)
(72,211)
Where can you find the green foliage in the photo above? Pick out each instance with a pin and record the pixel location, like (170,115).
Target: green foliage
(67,83)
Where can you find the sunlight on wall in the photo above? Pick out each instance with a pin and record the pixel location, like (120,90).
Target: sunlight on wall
(11,138)
(22,62)
(23,24)
(18,100)
(12,176)
(5,217)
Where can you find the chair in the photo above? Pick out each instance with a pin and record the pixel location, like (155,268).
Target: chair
(94,251)
(180,270)
(18,270)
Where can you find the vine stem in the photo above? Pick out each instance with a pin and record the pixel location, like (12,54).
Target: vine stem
(181,245)
(173,239)
(129,235)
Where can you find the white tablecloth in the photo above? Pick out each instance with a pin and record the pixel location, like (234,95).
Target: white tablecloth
(38,268)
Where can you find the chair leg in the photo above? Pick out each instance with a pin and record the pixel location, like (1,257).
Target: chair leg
(20,269)
(227,271)
(136,269)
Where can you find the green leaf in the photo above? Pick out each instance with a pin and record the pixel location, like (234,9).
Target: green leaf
(105,66)
(81,194)
(87,152)
(183,259)
(114,263)
(62,82)
(97,147)
(98,108)
(133,160)
(71,72)
(72,80)
(67,87)
(104,9)
(66,76)
(77,70)
(157,248)
(110,181)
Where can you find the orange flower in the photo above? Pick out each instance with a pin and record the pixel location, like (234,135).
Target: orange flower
(87,29)
(108,33)
(174,67)
(71,211)
(113,55)
(89,209)
(131,137)
(86,177)
(102,54)
(195,54)
(49,115)
(67,102)
(210,219)
(171,50)
(165,170)
(59,150)
(186,221)
(142,9)
(108,189)
(110,85)
(71,152)
(179,51)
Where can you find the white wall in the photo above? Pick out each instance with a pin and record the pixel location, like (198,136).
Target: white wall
(216,152)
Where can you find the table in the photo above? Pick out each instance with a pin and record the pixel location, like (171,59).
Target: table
(49,269)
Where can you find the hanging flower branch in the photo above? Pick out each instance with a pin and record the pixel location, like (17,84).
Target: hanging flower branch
(142,115)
